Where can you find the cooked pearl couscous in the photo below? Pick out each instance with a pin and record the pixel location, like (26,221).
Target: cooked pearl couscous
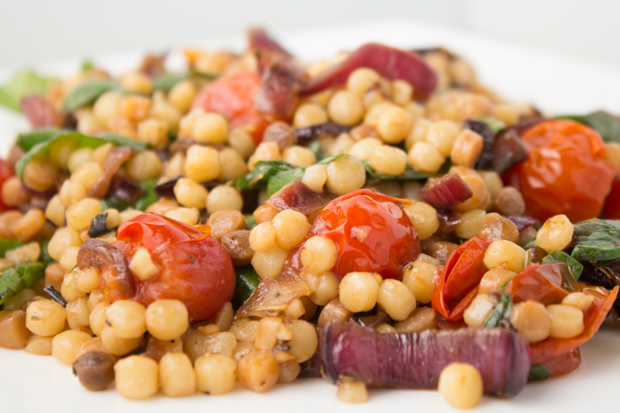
(244,223)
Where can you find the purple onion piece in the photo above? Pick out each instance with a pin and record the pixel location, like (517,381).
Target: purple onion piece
(483,129)
(113,161)
(112,265)
(310,133)
(297,196)
(166,190)
(312,367)
(124,189)
(448,220)
(415,360)
(446,192)
(279,86)
(523,221)
(259,39)
(508,150)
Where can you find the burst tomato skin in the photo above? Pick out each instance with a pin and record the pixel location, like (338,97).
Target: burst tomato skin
(233,97)
(5,173)
(565,172)
(612,204)
(194,267)
(372,232)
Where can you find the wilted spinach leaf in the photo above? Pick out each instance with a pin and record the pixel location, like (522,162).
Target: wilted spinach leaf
(87,92)
(259,177)
(539,372)
(597,240)
(9,244)
(605,124)
(576,268)
(24,84)
(18,277)
(279,180)
(247,281)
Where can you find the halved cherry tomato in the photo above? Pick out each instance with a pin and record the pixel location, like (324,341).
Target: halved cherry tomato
(564,364)
(553,347)
(612,205)
(565,172)
(541,283)
(233,97)
(5,173)
(194,267)
(372,233)
(457,283)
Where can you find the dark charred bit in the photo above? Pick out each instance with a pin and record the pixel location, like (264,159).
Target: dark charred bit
(166,189)
(508,151)
(310,133)
(55,295)
(448,220)
(95,370)
(98,226)
(483,129)
(281,133)
(537,254)
(523,221)
(124,189)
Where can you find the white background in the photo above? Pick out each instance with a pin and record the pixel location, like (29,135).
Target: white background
(36,30)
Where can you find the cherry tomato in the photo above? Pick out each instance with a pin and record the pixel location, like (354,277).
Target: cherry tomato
(372,232)
(5,172)
(233,97)
(565,172)
(457,284)
(564,364)
(541,283)
(194,267)
(612,205)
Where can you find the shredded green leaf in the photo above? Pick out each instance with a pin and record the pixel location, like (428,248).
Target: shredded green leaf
(87,92)
(16,278)
(149,197)
(538,372)
(247,281)
(9,244)
(502,311)
(250,222)
(409,175)
(605,124)
(597,240)
(42,147)
(279,180)
(259,177)
(576,268)
(24,84)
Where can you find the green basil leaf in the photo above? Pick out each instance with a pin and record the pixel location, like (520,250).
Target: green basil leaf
(409,175)
(29,139)
(538,372)
(576,268)
(87,66)
(9,244)
(149,197)
(167,81)
(24,84)
(279,180)
(259,177)
(606,125)
(329,159)
(530,244)
(250,222)
(501,312)
(247,281)
(315,146)
(18,277)
(45,255)
(597,240)
(87,92)
(42,148)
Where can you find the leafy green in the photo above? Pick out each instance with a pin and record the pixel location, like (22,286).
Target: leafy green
(168,80)
(597,240)
(87,92)
(250,222)
(409,175)
(18,277)
(23,84)
(259,177)
(42,148)
(9,244)
(45,255)
(538,372)
(247,281)
(149,197)
(530,244)
(605,124)
(87,66)
(315,146)
(113,202)
(501,312)
(576,268)
(279,180)
(29,139)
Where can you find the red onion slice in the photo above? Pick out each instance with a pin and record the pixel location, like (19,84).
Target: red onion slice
(299,197)
(415,360)
(310,133)
(260,40)
(40,112)
(446,192)
(389,62)
(110,165)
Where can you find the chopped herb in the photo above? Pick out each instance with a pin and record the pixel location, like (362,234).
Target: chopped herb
(168,80)
(597,240)
(259,177)
(87,66)
(538,372)
(250,222)
(576,268)
(247,281)
(18,277)
(43,147)
(315,146)
(45,255)
(279,180)
(24,84)
(149,197)
(409,175)
(501,312)
(87,92)
(530,244)
(606,125)
(9,244)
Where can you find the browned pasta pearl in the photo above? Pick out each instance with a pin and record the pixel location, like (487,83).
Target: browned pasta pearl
(126,318)
(136,377)
(215,374)
(66,344)
(176,375)
(555,234)
(40,174)
(45,317)
(461,385)
(258,371)
(167,319)
(531,320)
(13,331)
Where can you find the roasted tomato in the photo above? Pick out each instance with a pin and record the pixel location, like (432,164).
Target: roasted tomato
(372,233)
(233,97)
(612,205)
(565,172)
(5,173)
(194,267)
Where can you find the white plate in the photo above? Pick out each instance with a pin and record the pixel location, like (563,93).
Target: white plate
(554,83)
